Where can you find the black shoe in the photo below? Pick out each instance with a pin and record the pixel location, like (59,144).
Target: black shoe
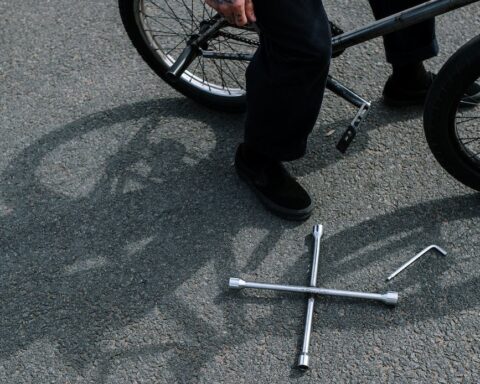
(276,189)
(397,94)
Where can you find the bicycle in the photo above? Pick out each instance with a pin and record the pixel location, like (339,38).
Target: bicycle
(190,48)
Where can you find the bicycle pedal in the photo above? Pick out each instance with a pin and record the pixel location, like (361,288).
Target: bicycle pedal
(352,129)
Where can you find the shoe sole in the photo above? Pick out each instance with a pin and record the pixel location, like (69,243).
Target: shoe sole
(284,213)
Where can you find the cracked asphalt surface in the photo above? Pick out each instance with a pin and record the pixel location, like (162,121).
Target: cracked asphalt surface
(121,220)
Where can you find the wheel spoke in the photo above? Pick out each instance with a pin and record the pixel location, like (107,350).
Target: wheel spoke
(171,13)
(241,63)
(194,21)
(193,72)
(205,74)
(233,75)
(163,25)
(474,155)
(469,140)
(176,46)
(468,102)
(467,119)
(181,24)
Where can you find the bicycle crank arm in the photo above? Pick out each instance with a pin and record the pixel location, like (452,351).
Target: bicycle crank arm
(193,48)
(345,93)
(389,298)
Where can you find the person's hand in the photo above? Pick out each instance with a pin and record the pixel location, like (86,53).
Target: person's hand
(236,12)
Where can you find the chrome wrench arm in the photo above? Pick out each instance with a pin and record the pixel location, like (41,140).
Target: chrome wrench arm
(390,297)
(303,360)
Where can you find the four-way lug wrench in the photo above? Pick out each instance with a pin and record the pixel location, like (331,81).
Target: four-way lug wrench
(389,298)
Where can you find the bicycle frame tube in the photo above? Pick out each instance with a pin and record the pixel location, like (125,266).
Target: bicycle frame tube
(397,22)
(375,29)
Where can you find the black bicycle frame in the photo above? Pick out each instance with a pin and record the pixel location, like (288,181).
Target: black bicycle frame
(371,31)
(397,22)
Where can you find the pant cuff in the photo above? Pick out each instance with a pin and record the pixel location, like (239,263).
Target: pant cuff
(415,56)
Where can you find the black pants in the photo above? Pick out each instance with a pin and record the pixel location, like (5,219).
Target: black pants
(286,78)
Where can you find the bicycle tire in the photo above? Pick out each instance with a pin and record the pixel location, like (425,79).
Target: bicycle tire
(440,114)
(136,31)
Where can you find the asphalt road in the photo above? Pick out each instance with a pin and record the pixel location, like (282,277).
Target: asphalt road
(121,220)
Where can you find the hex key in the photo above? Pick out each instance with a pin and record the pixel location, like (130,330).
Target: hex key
(415,258)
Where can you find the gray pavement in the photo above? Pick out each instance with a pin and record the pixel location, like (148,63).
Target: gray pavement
(121,220)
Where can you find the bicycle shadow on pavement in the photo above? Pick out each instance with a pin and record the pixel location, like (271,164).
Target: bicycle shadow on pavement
(106,217)
(122,224)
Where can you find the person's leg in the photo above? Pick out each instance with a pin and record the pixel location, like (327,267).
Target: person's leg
(406,50)
(410,45)
(285,85)
(286,79)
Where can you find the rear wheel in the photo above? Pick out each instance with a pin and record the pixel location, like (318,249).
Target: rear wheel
(451,121)
(161,29)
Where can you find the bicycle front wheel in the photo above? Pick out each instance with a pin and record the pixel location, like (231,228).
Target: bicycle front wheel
(452,120)
(161,29)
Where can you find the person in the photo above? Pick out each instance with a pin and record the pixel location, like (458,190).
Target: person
(285,83)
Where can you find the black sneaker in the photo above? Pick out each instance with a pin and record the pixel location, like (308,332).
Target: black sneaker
(396,94)
(273,185)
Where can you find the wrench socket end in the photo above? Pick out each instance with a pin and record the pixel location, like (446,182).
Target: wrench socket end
(318,230)
(390,298)
(303,361)
(236,283)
